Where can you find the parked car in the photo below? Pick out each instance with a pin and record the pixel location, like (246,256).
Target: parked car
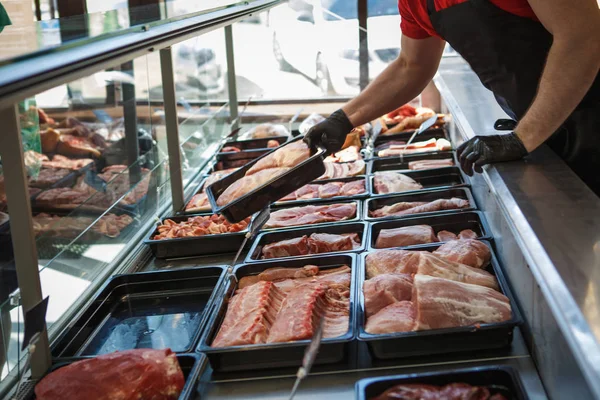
(319,38)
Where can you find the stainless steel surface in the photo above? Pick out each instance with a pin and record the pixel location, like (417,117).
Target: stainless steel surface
(21,226)
(172,127)
(543,210)
(231,78)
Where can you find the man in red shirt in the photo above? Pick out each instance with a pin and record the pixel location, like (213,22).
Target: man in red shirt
(540,58)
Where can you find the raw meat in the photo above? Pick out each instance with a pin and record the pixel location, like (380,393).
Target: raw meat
(287,248)
(306,192)
(199,202)
(250,315)
(396,317)
(444,236)
(467,234)
(405,236)
(230,149)
(198,226)
(311,215)
(407,208)
(385,289)
(333,276)
(326,190)
(48,177)
(326,242)
(287,156)
(59,161)
(416,147)
(466,251)
(248,183)
(350,153)
(124,375)
(392,182)
(271,144)
(442,303)
(330,189)
(109,225)
(391,262)
(275,274)
(353,188)
(315,244)
(343,170)
(453,391)
(430,164)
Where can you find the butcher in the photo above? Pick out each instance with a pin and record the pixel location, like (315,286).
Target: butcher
(540,58)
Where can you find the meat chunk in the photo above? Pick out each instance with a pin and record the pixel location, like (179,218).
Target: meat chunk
(393,182)
(405,236)
(397,317)
(124,375)
(466,251)
(408,208)
(385,289)
(230,149)
(198,226)
(287,156)
(445,236)
(467,234)
(343,170)
(306,192)
(248,183)
(391,262)
(331,189)
(442,303)
(351,153)
(326,242)
(287,248)
(275,274)
(311,215)
(199,202)
(453,391)
(353,188)
(272,144)
(430,164)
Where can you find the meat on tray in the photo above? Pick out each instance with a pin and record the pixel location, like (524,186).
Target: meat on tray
(396,149)
(430,164)
(317,243)
(466,251)
(407,118)
(327,190)
(59,161)
(198,202)
(351,153)
(198,226)
(288,308)
(48,177)
(124,375)
(109,225)
(235,148)
(385,289)
(417,234)
(418,207)
(230,149)
(307,215)
(452,391)
(343,170)
(266,169)
(393,182)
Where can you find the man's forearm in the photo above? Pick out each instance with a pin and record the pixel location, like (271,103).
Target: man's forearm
(570,70)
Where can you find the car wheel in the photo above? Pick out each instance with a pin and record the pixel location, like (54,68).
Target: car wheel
(283,65)
(323,81)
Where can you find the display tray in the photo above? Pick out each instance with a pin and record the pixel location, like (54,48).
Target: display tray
(503,380)
(397,163)
(234,160)
(431,133)
(438,341)
(453,222)
(357,216)
(250,145)
(438,178)
(337,198)
(192,366)
(276,355)
(427,196)
(266,194)
(361,228)
(163,309)
(197,245)
(198,190)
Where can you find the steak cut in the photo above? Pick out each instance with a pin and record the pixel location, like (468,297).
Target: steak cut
(124,375)
(287,248)
(453,391)
(396,317)
(386,289)
(405,236)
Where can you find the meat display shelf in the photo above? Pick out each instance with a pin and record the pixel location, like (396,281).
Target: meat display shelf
(398,163)
(502,380)
(419,343)
(277,355)
(357,217)
(361,228)
(316,201)
(144,310)
(439,178)
(453,222)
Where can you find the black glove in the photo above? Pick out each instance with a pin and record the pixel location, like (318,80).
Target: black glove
(331,133)
(481,150)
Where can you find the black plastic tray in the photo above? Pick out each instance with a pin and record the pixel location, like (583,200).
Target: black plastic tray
(192,366)
(277,355)
(453,222)
(268,193)
(194,246)
(270,237)
(439,178)
(251,144)
(357,217)
(431,133)
(177,301)
(386,200)
(499,379)
(338,198)
(397,163)
(437,341)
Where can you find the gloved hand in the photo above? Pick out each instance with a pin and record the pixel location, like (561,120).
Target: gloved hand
(329,134)
(481,150)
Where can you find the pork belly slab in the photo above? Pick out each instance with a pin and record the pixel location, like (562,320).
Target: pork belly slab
(466,251)
(417,207)
(405,236)
(386,289)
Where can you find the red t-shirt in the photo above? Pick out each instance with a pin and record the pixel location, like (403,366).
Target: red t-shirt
(415,22)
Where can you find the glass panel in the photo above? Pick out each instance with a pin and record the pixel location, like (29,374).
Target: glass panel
(11,336)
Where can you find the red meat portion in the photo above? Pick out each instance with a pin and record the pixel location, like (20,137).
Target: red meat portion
(287,248)
(470,252)
(385,289)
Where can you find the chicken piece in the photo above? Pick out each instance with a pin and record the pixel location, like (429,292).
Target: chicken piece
(445,236)
(397,317)
(287,156)
(394,182)
(405,236)
(385,289)
(249,183)
(470,252)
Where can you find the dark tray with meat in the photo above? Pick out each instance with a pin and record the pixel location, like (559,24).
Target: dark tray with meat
(403,163)
(266,238)
(307,192)
(284,354)
(194,245)
(237,160)
(192,366)
(439,341)
(440,178)
(245,146)
(427,197)
(264,195)
(205,208)
(302,218)
(431,133)
(501,380)
(454,222)
(66,181)
(168,309)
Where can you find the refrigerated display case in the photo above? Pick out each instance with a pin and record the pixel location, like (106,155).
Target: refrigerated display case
(138,148)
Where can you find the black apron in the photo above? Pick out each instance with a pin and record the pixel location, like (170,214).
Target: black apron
(508,54)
